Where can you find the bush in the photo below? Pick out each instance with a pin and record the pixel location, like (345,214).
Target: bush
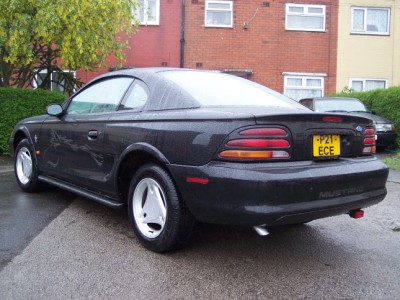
(384,102)
(17,104)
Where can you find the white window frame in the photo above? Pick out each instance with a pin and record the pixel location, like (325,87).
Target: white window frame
(207,9)
(35,86)
(364,81)
(306,13)
(144,8)
(365,29)
(304,77)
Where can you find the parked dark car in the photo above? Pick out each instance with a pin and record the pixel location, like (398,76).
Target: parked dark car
(385,130)
(177,145)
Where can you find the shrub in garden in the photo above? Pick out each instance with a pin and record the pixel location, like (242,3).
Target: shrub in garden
(17,104)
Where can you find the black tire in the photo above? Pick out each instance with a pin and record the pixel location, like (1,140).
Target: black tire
(158,215)
(25,167)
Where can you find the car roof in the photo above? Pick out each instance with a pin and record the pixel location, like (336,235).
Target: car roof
(170,92)
(137,72)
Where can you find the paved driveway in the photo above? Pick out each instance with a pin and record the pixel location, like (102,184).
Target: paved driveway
(89,251)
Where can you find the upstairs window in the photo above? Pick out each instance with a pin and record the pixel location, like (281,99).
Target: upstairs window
(370,20)
(219,14)
(149,12)
(362,85)
(305,17)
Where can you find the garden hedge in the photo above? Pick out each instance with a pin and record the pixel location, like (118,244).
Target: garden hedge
(17,104)
(384,102)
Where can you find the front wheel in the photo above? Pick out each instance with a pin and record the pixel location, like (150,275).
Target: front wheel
(158,215)
(25,168)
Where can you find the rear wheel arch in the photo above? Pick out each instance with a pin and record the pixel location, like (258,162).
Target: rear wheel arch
(131,160)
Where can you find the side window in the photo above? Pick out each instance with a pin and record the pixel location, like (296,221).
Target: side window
(103,96)
(137,97)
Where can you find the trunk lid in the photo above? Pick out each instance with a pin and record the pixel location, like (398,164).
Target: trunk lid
(306,128)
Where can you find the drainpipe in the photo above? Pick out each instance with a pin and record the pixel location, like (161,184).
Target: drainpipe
(183,35)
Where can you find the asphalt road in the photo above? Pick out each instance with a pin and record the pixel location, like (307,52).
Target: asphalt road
(89,251)
(23,216)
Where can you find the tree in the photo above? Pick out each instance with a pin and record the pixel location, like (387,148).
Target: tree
(50,36)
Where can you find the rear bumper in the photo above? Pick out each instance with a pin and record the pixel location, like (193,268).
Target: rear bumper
(280,193)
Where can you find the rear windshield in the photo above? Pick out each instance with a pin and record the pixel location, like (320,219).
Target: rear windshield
(339,105)
(217,89)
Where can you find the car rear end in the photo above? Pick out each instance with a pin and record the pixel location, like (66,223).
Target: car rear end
(287,168)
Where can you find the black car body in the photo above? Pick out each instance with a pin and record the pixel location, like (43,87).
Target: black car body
(180,145)
(385,130)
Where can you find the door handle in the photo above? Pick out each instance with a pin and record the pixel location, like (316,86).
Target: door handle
(93,134)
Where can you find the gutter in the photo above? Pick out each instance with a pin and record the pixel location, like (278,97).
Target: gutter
(182,53)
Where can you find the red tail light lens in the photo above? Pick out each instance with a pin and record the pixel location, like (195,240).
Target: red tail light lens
(369,131)
(263,143)
(258,143)
(369,142)
(264,132)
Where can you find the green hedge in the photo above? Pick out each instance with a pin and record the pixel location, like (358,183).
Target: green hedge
(384,102)
(17,104)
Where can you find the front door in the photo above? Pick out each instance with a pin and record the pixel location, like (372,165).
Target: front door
(73,144)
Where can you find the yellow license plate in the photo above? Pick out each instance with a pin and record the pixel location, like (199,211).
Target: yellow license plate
(326,145)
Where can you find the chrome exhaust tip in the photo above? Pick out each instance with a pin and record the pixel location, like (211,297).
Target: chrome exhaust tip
(261,230)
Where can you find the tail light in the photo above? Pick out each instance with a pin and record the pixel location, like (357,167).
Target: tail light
(266,143)
(369,142)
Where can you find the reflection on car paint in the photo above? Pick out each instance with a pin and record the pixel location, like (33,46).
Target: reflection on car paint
(57,140)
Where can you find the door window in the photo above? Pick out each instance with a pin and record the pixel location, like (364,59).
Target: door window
(103,96)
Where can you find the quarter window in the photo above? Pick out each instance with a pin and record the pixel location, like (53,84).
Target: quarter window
(305,17)
(219,14)
(299,87)
(100,97)
(149,12)
(360,85)
(370,20)
(137,97)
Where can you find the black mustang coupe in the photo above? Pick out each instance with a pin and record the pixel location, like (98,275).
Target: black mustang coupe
(177,145)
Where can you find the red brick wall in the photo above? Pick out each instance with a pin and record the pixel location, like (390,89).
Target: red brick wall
(152,46)
(265,47)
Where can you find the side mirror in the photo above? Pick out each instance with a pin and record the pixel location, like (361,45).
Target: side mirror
(54,110)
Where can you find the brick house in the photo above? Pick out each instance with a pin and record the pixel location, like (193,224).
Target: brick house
(157,43)
(289,46)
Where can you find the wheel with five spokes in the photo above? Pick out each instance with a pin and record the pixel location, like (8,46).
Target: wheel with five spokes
(159,217)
